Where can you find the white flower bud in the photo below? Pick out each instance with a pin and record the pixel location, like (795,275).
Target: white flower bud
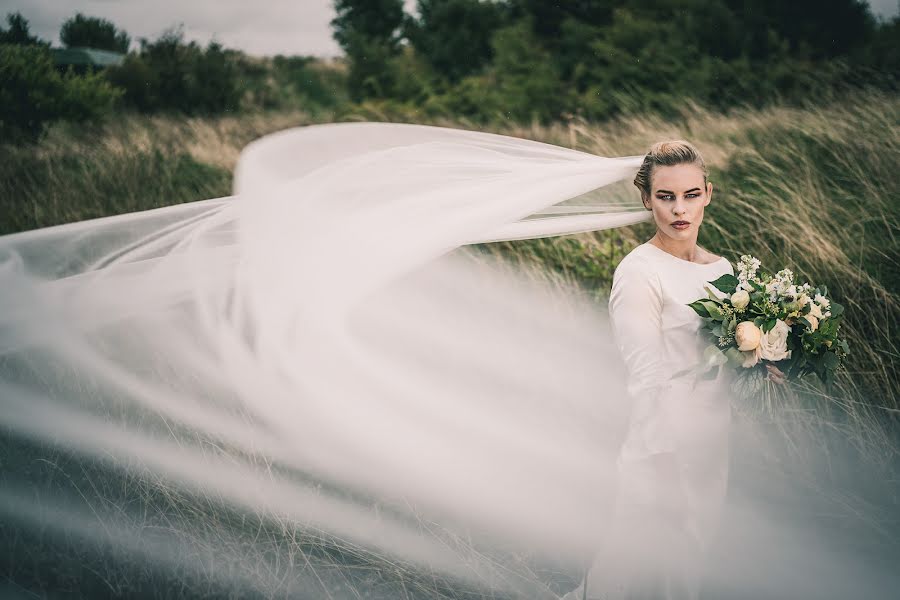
(740,299)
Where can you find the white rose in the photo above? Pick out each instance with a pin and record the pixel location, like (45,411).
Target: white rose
(803,300)
(747,335)
(740,299)
(813,322)
(773,344)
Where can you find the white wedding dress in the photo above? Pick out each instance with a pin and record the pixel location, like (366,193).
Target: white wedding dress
(662,529)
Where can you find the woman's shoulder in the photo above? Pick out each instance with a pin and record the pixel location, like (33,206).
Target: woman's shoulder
(638,263)
(637,258)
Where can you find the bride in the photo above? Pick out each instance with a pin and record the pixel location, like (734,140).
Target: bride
(334,350)
(673,464)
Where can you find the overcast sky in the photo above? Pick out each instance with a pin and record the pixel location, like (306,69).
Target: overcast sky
(262,27)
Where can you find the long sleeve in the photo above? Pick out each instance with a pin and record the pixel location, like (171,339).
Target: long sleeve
(635,309)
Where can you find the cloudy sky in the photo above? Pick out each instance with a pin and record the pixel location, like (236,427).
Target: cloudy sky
(262,27)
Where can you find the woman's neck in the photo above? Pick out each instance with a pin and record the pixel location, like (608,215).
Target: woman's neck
(684,249)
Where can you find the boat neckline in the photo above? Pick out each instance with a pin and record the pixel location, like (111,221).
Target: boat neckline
(681,260)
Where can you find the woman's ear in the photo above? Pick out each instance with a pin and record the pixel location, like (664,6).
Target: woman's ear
(709,190)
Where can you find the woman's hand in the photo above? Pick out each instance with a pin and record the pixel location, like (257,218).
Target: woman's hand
(775,374)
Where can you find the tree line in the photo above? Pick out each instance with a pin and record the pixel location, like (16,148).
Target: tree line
(545,59)
(167,74)
(483,60)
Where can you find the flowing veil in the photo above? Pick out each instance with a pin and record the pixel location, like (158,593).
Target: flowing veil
(319,385)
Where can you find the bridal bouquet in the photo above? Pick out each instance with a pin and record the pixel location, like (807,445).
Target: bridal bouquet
(760,318)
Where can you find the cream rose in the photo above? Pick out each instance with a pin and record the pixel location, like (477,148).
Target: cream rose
(814,311)
(773,344)
(813,322)
(747,335)
(740,299)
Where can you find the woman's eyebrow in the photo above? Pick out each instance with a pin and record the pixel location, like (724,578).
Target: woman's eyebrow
(671,192)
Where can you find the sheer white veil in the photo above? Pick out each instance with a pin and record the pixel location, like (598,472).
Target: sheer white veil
(325,351)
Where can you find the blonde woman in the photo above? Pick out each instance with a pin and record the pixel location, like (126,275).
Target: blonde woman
(673,464)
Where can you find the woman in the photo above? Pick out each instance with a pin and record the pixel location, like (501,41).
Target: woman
(673,465)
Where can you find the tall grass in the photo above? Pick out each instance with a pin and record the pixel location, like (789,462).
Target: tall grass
(813,189)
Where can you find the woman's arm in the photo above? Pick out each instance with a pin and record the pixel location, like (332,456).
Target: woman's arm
(635,309)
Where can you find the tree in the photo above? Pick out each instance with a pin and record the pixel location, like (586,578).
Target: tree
(527,79)
(91,32)
(18,32)
(814,29)
(369,31)
(454,36)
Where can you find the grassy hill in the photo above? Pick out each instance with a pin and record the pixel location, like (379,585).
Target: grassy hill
(813,189)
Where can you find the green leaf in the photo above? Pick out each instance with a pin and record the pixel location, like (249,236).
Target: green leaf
(830,360)
(698,307)
(768,325)
(727,283)
(712,308)
(735,358)
(836,310)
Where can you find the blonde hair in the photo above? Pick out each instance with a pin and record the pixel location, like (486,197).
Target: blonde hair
(666,154)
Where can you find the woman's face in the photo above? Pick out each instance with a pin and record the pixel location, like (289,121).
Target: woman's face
(678,195)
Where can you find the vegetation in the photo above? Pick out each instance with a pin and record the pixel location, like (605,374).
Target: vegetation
(91,32)
(33,93)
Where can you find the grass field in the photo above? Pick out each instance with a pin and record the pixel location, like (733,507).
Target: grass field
(813,189)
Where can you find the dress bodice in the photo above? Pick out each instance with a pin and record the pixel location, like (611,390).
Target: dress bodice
(657,334)
(682,282)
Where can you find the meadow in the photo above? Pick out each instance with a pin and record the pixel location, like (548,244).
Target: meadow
(812,188)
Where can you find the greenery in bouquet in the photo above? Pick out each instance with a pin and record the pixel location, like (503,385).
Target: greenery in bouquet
(757,319)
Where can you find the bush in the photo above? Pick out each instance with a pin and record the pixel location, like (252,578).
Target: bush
(171,75)
(33,93)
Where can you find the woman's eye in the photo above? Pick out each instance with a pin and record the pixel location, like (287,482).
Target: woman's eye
(670,196)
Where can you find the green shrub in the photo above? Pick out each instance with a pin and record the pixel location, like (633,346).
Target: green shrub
(33,93)
(171,75)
